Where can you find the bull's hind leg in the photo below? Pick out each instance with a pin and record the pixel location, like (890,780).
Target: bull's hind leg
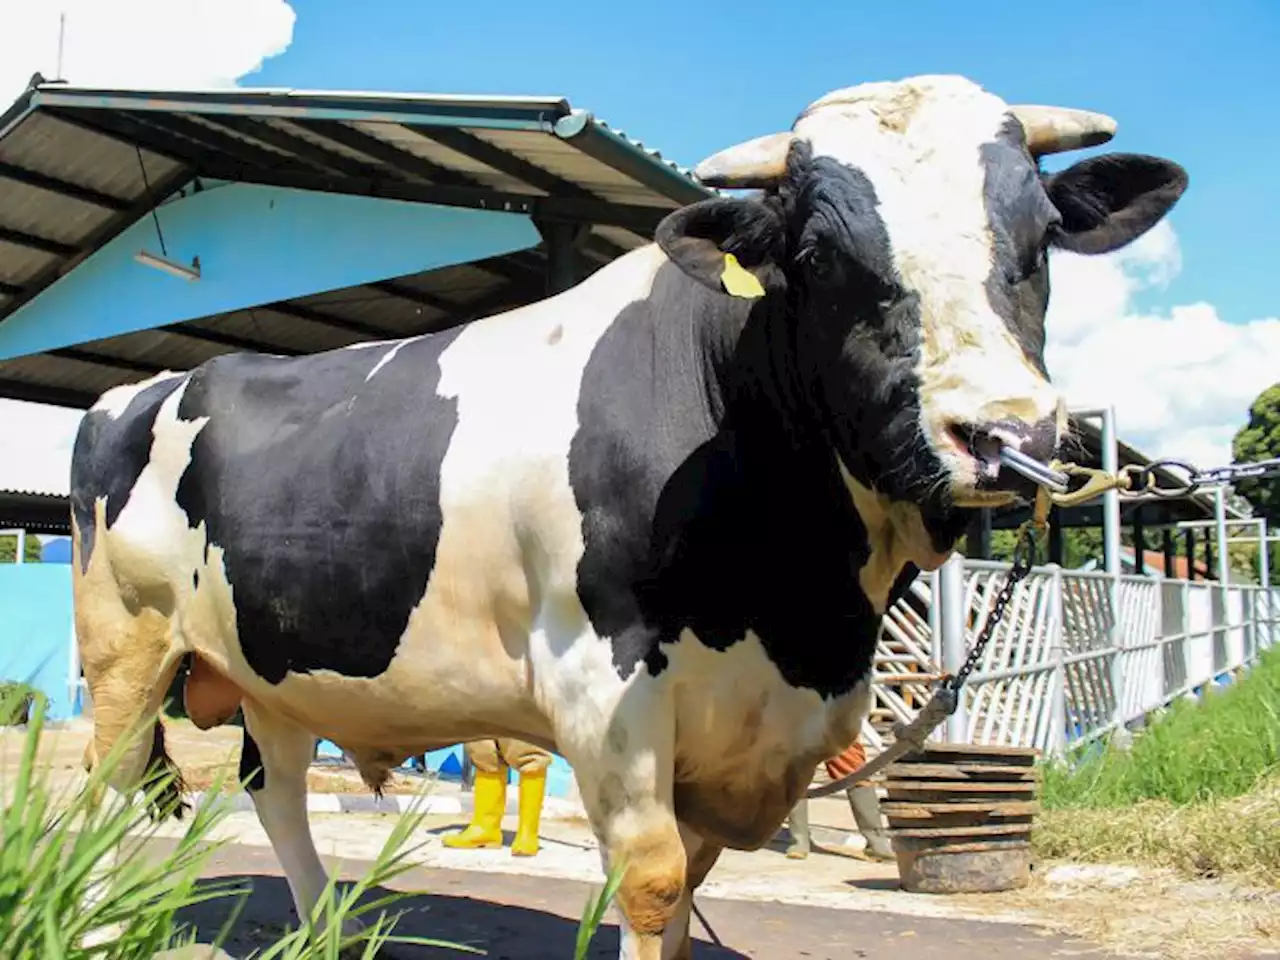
(274,760)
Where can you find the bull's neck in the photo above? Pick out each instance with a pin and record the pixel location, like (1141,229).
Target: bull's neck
(756,384)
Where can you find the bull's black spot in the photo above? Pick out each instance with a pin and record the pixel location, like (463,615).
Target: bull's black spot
(323,491)
(1019,215)
(109,455)
(195,579)
(745,526)
(251,763)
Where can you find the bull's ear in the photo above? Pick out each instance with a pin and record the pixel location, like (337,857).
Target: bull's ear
(732,245)
(1110,200)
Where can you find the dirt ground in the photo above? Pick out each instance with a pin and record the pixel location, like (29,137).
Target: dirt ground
(760,903)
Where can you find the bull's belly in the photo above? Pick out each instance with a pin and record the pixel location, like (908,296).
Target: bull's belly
(413,710)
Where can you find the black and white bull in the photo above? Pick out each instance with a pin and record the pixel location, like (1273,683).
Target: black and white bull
(648,523)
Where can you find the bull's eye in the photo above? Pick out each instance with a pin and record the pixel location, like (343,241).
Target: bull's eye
(821,263)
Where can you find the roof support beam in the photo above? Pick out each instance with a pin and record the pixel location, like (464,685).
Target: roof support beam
(104,360)
(99,238)
(413,295)
(315,156)
(62,188)
(40,244)
(642,220)
(399,160)
(564,257)
(201,137)
(230,340)
(40,393)
(328,320)
(484,152)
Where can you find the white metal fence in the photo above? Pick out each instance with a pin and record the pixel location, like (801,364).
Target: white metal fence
(1076,655)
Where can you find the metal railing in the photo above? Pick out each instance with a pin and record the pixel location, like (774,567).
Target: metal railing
(1078,653)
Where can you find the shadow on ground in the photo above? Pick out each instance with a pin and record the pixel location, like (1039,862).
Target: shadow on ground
(502,931)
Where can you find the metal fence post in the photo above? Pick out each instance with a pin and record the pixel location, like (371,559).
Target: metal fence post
(951,621)
(1111,559)
(1057,741)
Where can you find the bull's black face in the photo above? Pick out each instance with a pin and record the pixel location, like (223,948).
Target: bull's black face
(904,230)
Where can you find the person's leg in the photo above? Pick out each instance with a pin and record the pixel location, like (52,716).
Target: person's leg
(531,763)
(863,801)
(490,793)
(865,804)
(798,827)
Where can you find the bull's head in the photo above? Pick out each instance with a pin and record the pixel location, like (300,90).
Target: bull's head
(907,226)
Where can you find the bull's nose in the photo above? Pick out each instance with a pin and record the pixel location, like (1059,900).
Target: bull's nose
(1038,441)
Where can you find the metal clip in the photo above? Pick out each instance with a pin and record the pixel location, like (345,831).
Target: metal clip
(1097,483)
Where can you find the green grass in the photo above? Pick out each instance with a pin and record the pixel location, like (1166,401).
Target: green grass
(1198,790)
(55,850)
(1222,747)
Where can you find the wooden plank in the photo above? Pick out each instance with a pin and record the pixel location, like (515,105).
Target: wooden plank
(994,808)
(975,752)
(978,830)
(958,771)
(959,786)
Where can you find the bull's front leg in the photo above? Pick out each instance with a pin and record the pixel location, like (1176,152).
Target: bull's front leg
(700,857)
(624,767)
(275,757)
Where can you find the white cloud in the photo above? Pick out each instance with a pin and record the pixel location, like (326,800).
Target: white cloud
(181,44)
(1181,379)
(177,43)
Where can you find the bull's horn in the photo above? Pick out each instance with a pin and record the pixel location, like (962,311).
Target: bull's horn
(756,164)
(1055,129)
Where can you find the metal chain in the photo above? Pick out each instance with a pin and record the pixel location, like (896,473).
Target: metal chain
(1023,557)
(1146,481)
(1132,480)
(946,696)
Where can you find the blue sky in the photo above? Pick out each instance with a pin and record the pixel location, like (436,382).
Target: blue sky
(1198,82)
(1180,358)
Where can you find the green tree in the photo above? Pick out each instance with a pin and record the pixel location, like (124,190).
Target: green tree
(1259,439)
(9,549)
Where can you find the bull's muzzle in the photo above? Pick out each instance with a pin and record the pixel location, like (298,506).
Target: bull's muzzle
(1038,441)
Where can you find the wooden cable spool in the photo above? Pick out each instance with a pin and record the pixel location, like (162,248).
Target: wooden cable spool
(960,817)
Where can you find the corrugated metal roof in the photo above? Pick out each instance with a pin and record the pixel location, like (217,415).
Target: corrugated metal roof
(78,165)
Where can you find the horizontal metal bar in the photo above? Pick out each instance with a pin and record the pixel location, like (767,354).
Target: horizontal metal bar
(230,340)
(62,188)
(42,393)
(106,360)
(30,241)
(600,143)
(536,115)
(643,220)
(308,315)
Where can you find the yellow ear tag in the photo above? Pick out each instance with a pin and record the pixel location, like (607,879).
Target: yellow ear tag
(738,281)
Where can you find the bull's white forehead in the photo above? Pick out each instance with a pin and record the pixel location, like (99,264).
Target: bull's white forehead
(919,142)
(904,128)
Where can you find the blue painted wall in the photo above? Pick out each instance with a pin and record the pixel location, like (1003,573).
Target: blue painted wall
(256,245)
(56,550)
(35,630)
(447,762)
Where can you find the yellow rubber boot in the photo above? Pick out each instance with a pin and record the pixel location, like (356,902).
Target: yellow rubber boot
(485,830)
(533,787)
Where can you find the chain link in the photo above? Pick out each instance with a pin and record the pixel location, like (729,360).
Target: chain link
(1024,552)
(1195,479)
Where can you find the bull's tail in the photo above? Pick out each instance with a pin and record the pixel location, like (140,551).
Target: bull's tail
(128,663)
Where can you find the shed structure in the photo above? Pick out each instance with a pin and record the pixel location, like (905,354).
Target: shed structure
(150,230)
